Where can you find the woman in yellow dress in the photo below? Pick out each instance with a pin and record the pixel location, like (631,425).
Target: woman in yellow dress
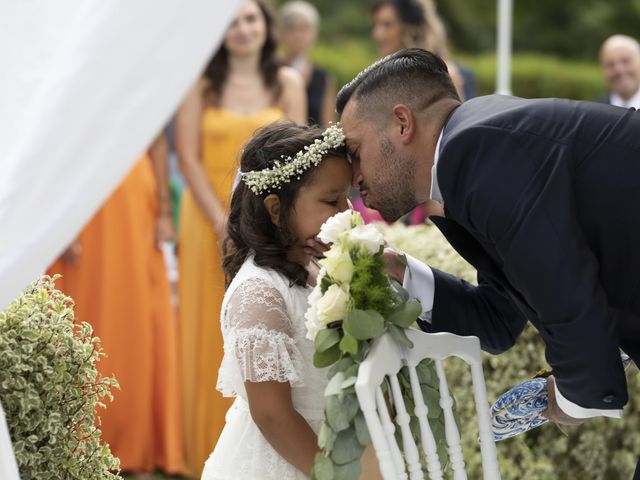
(242,89)
(116,274)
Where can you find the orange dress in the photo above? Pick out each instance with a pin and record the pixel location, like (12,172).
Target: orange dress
(201,284)
(120,287)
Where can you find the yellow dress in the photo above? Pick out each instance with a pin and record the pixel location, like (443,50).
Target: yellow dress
(201,284)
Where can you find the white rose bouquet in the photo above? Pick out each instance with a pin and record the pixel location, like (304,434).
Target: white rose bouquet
(353,303)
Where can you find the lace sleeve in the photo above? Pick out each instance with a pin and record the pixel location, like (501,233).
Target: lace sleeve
(258,339)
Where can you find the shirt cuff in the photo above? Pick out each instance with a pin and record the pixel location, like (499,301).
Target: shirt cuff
(419,282)
(576,411)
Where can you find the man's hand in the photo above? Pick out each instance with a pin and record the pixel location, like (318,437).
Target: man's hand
(553,412)
(394,264)
(315,248)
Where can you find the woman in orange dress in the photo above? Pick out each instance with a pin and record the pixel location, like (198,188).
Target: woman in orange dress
(242,89)
(116,274)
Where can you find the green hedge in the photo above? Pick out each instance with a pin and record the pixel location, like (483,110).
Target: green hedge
(600,449)
(533,75)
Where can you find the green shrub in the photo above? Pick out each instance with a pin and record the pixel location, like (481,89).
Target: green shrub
(600,449)
(533,75)
(50,388)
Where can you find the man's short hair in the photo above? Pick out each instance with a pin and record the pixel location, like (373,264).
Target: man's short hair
(411,76)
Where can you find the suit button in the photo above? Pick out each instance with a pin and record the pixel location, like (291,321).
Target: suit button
(609,398)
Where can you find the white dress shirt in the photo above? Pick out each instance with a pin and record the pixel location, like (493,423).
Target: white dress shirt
(618,101)
(419,282)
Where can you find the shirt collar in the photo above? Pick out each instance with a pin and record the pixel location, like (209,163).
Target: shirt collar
(435,188)
(618,101)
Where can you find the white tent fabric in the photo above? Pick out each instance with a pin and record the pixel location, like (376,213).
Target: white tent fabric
(84,88)
(8,467)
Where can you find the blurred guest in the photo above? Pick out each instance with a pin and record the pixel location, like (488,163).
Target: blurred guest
(299,23)
(116,275)
(620,63)
(399,24)
(242,89)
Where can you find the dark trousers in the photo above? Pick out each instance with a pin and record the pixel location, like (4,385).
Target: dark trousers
(636,476)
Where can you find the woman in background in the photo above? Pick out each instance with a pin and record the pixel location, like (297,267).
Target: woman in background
(299,23)
(241,90)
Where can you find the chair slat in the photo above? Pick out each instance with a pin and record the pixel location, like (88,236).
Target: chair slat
(390,429)
(403,420)
(426,434)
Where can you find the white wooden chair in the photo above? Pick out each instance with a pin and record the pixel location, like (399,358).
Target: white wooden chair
(385,359)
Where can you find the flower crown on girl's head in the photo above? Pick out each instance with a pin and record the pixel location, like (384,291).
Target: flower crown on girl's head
(285,169)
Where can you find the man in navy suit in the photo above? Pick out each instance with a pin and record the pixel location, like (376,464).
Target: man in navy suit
(541,196)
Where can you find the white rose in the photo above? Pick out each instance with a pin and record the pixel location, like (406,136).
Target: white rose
(338,264)
(313,324)
(366,237)
(333,305)
(334,226)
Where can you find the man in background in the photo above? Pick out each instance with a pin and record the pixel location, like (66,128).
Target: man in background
(620,63)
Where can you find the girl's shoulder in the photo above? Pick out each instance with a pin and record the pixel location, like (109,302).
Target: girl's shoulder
(266,277)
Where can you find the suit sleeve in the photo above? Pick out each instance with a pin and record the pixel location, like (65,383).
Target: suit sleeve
(518,195)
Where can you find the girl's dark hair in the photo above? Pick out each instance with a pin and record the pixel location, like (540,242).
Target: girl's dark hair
(218,68)
(249,228)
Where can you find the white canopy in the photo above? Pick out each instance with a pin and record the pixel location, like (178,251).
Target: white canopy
(84,88)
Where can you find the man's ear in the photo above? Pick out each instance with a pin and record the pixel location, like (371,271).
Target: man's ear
(404,123)
(272,204)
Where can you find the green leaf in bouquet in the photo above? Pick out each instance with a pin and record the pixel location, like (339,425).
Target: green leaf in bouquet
(364,324)
(326,437)
(406,315)
(345,364)
(336,415)
(323,468)
(334,387)
(431,398)
(400,336)
(348,382)
(349,344)
(427,372)
(362,431)
(325,283)
(326,339)
(401,293)
(326,358)
(349,471)
(347,448)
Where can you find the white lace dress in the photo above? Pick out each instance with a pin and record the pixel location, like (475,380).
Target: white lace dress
(264,340)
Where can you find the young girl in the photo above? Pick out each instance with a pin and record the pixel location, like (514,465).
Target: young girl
(271,428)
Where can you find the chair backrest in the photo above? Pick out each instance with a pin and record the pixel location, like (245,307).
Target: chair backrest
(386,359)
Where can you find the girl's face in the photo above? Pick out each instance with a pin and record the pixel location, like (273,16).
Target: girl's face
(387,30)
(248,32)
(316,202)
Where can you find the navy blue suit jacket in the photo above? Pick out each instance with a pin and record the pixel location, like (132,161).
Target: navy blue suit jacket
(543,198)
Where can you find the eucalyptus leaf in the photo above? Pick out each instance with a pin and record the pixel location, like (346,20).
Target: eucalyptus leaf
(349,382)
(326,339)
(349,344)
(399,335)
(336,416)
(364,324)
(362,430)
(334,386)
(347,448)
(343,365)
(326,437)
(407,314)
(326,358)
(323,467)
(349,471)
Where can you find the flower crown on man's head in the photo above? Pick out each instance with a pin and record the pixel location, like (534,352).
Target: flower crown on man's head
(288,168)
